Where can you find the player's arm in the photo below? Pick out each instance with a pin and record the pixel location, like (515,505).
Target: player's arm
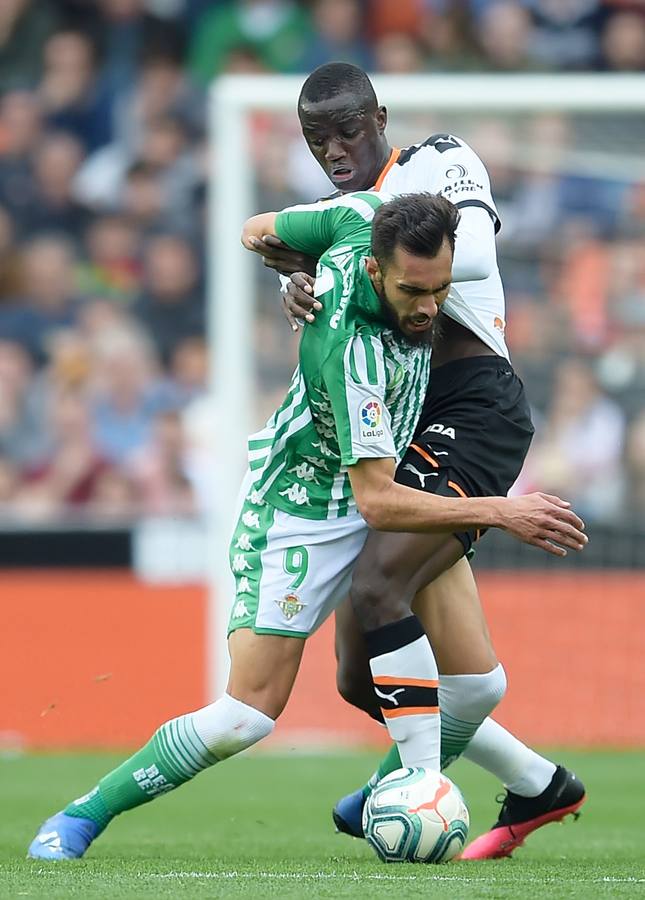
(354,374)
(259,235)
(462,178)
(475,256)
(257,227)
(539,519)
(280,254)
(309,228)
(313,228)
(304,232)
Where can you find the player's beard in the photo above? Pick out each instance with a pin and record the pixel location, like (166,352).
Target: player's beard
(421,339)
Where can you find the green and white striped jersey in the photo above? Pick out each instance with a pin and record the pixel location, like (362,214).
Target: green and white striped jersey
(358,390)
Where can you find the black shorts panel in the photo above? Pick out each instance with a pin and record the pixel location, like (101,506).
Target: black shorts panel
(473,435)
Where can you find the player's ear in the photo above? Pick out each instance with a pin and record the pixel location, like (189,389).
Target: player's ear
(381,119)
(373,269)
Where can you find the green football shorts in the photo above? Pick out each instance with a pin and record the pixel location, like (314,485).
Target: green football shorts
(290,573)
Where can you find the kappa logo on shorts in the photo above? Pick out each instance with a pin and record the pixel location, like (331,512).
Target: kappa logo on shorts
(240,610)
(243,585)
(370,415)
(240,563)
(291,605)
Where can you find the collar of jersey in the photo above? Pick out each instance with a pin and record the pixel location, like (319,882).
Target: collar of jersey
(394,155)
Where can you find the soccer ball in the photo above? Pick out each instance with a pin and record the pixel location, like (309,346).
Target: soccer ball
(416,815)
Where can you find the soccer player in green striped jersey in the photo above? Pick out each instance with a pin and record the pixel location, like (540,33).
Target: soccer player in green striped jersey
(360,385)
(320,472)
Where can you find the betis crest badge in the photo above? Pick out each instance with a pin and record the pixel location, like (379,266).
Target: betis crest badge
(290,605)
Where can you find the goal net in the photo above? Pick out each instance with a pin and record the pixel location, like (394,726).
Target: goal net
(567,171)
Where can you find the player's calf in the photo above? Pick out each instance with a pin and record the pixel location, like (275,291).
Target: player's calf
(358,690)
(353,676)
(177,751)
(406,682)
(465,701)
(404,671)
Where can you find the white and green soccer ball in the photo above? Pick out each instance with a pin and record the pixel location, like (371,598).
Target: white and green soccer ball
(416,815)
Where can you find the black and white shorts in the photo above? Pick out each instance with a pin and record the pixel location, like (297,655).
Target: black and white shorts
(473,434)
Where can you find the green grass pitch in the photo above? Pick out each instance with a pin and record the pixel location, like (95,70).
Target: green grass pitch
(259,826)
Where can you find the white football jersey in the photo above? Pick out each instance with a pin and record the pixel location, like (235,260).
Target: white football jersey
(444,164)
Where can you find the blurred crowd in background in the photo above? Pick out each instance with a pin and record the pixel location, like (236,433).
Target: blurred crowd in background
(103,183)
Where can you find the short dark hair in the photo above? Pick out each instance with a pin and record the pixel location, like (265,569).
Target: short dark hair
(418,223)
(336,78)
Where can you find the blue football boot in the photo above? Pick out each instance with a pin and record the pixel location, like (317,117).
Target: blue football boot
(63,837)
(348,814)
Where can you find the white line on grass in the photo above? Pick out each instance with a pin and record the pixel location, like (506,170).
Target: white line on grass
(311,876)
(375,876)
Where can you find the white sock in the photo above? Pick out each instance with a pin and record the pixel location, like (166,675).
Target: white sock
(229,726)
(520,769)
(465,701)
(405,677)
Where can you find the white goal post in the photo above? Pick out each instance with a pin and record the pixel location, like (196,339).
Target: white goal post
(231,278)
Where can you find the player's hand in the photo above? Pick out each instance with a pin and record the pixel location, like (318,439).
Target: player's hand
(278,256)
(298,300)
(546,522)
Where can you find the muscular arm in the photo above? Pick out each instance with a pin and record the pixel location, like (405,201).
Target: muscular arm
(387,506)
(475,258)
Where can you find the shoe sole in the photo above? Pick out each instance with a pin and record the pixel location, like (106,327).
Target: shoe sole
(489,845)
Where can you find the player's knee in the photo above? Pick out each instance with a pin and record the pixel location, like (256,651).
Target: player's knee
(472,697)
(379,566)
(377,599)
(492,686)
(263,669)
(229,726)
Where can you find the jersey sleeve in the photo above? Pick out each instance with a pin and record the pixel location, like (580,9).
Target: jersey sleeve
(461,176)
(354,375)
(315,227)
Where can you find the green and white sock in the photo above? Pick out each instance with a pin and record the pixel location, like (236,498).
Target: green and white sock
(455,737)
(177,751)
(390,762)
(173,755)
(466,700)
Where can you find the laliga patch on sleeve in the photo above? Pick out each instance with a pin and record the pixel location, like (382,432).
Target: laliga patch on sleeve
(370,421)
